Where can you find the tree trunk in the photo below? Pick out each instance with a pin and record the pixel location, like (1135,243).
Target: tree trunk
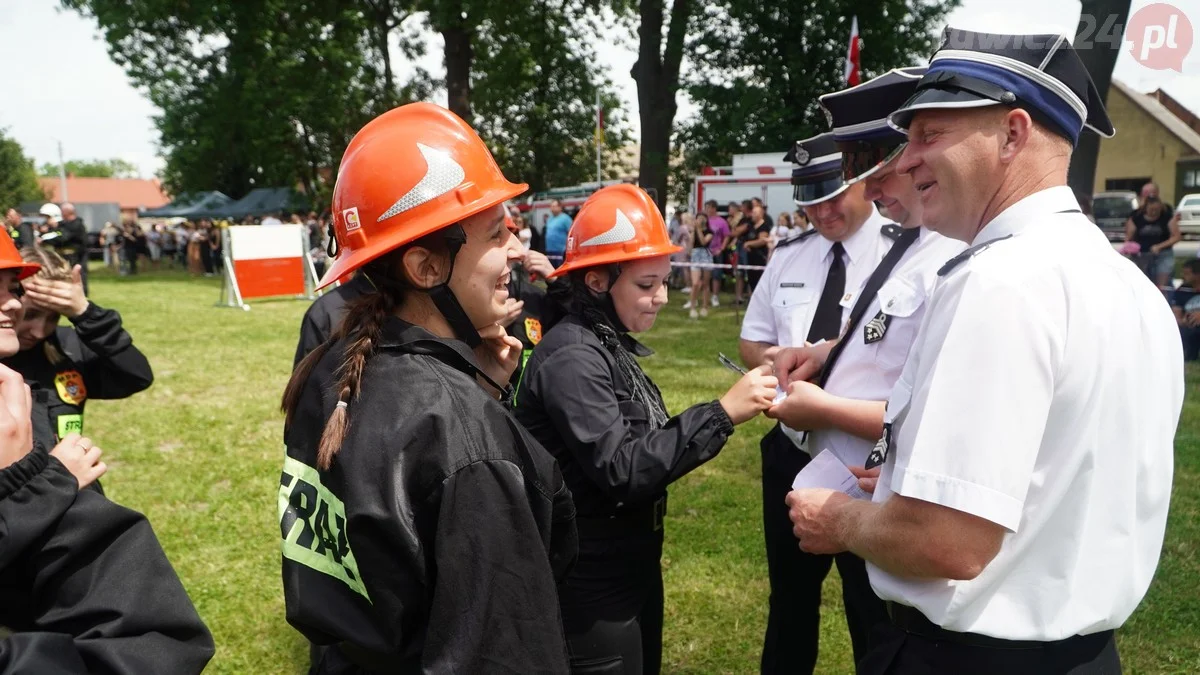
(657,75)
(389,81)
(459,57)
(1099,57)
(310,180)
(384,19)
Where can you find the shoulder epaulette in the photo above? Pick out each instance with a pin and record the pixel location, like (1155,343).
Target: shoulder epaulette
(892,231)
(800,237)
(967,255)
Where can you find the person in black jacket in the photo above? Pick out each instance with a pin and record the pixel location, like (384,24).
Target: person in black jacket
(423,529)
(586,399)
(94,357)
(72,240)
(84,584)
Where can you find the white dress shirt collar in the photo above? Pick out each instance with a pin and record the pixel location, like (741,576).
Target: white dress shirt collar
(1027,211)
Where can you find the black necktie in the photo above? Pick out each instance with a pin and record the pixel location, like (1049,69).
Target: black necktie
(827,320)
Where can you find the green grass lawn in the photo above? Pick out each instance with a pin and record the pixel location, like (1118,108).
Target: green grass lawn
(200,454)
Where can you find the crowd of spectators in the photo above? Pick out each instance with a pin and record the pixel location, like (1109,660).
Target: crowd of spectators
(743,234)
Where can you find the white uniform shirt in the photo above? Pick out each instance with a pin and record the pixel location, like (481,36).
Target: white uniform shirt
(1042,394)
(782,306)
(868,370)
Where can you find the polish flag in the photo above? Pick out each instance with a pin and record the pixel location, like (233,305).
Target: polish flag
(853,63)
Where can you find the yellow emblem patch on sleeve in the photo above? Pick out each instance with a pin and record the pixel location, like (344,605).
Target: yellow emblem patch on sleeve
(533,328)
(71,389)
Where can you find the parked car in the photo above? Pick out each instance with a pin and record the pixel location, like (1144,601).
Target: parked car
(1189,216)
(1111,210)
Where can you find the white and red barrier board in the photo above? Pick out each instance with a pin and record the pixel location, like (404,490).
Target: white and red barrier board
(267,259)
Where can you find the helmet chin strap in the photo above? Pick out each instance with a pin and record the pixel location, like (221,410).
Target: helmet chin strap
(606,302)
(444,299)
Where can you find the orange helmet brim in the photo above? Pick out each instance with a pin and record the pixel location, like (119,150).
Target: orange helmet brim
(24,269)
(613,257)
(345,264)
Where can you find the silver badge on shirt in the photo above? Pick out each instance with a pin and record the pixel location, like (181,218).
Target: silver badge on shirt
(880,452)
(876,328)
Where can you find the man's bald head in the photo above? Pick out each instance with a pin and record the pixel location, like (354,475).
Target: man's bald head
(969,164)
(1148,190)
(12,217)
(68,210)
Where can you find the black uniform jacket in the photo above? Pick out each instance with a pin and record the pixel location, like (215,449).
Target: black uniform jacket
(324,315)
(434,541)
(575,401)
(97,360)
(84,584)
(72,241)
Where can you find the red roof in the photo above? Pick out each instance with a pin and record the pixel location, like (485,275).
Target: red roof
(130,193)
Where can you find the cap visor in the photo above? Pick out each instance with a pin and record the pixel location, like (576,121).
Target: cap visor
(826,198)
(858,178)
(809,194)
(935,99)
(892,155)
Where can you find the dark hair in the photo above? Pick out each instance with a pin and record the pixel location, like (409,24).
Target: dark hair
(570,295)
(362,327)
(1192,265)
(712,203)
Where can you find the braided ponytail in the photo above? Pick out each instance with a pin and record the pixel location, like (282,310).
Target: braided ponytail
(362,324)
(371,311)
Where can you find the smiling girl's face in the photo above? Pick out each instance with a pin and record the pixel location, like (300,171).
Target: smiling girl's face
(640,291)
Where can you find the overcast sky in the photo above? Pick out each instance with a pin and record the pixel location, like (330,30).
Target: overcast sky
(61,86)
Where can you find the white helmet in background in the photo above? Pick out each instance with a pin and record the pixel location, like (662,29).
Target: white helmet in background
(51,211)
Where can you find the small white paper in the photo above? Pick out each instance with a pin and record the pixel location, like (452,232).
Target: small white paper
(827,471)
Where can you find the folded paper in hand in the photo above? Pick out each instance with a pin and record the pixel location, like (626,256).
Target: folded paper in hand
(827,471)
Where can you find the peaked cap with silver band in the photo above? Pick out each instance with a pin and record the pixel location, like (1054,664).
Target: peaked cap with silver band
(859,117)
(860,113)
(819,176)
(1041,74)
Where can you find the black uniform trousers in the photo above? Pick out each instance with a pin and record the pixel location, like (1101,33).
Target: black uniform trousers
(612,601)
(794,618)
(913,651)
(626,646)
